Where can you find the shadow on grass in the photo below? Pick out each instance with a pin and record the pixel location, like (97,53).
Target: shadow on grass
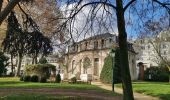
(164,96)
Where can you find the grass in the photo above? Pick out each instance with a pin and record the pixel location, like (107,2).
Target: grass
(15,83)
(6,83)
(157,89)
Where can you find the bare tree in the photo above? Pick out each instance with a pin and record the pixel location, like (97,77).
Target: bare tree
(111,9)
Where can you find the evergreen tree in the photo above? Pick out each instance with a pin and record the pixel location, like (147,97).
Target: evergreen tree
(3,63)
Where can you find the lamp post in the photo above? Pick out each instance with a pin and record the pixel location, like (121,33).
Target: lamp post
(112,53)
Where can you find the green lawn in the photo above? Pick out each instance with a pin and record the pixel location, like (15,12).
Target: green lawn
(157,89)
(14,83)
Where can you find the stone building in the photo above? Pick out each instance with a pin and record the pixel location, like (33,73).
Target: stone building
(88,55)
(151,51)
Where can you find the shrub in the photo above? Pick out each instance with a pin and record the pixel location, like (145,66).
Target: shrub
(3,63)
(107,73)
(42,70)
(73,80)
(159,74)
(58,78)
(43,61)
(22,78)
(27,78)
(34,78)
(43,80)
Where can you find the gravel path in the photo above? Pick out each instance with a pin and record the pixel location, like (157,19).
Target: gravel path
(93,94)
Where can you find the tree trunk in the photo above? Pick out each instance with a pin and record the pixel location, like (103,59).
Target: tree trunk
(8,9)
(125,73)
(19,65)
(36,61)
(1,2)
(33,60)
(12,65)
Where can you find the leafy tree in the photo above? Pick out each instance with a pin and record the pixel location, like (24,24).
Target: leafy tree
(117,74)
(86,64)
(3,63)
(38,44)
(16,40)
(107,71)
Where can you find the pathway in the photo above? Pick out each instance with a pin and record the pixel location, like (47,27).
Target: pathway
(137,96)
(85,94)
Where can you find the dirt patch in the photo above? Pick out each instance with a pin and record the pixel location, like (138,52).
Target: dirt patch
(94,94)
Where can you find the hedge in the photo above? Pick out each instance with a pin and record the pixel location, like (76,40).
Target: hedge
(58,78)
(41,70)
(159,74)
(106,75)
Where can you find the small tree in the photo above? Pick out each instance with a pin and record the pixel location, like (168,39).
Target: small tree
(58,78)
(86,64)
(43,61)
(3,63)
(117,74)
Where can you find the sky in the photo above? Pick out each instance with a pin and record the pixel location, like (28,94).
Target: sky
(136,17)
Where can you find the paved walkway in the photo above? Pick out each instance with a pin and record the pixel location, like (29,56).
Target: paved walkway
(137,96)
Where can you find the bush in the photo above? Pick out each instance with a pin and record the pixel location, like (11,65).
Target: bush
(42,70)
(73,80)
(159,74)
(106,75)
(27,78)
(34,78)
(58,78)
(43,80)
(22,78)
(43,61)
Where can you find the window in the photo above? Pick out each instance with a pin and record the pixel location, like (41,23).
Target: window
(95,45)
(86,64)
(102,43)
(86,43)
(80,47)
(110,40)
(77,47)
(96,66)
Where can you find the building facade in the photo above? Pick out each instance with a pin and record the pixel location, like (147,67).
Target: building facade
(88,55)
(152,51)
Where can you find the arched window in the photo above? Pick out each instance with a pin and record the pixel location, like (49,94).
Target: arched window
(86,64)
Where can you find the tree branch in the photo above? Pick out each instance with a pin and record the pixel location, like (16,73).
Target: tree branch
(128,4)
(1,1)
(165,5)
(8,9)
